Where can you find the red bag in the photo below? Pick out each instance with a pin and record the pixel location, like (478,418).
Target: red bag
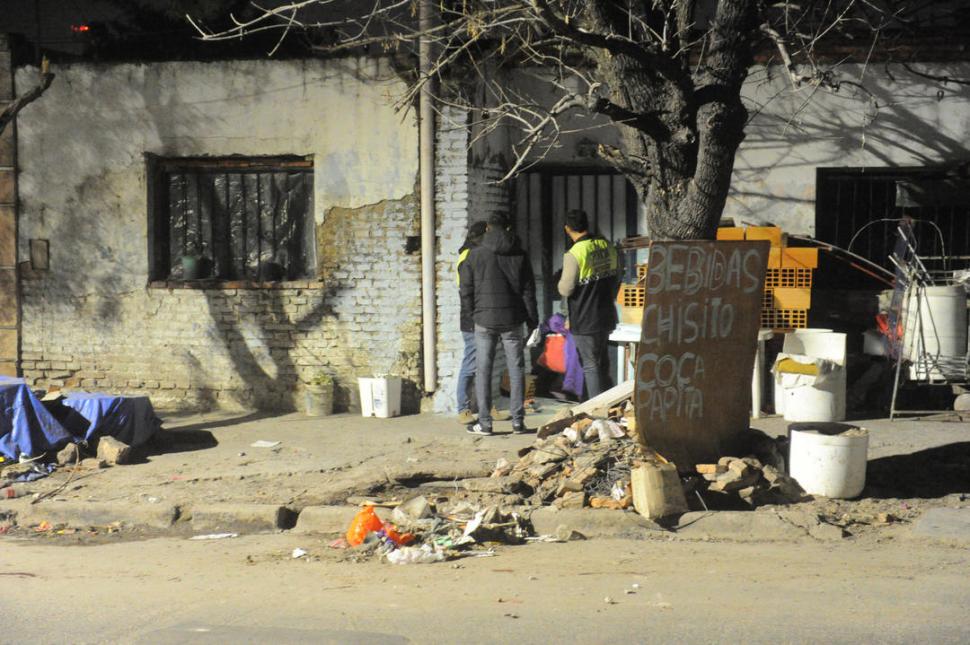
(553,356)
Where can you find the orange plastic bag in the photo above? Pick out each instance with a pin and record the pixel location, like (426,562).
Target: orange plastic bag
(554,353)
(363,523)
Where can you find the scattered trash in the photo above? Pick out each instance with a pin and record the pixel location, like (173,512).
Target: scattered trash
(339,543)
(262,443)
(214,536)
(36,471)
(43,527)
(423,554)
(298,553)
(609,601)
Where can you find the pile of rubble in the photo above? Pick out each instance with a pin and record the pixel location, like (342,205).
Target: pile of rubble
(587,464)
(754,482)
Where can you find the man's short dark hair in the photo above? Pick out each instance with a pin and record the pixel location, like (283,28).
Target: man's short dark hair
(476,229)
(498,220)
(577,220)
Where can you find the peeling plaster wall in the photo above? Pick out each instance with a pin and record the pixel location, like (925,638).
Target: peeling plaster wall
(91,322)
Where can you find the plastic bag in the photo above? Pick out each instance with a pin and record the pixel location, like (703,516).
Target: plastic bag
(363,523)
(416,555)
(366,521)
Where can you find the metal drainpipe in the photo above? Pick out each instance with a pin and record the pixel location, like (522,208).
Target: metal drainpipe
(426,146)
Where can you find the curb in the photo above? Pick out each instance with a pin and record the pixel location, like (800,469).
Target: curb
(592,523)
(325,519)
(83,514)
(944,525)
(241,517)
(738,526)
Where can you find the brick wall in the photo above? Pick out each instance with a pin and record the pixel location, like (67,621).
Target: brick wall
(451,208)
(238,345)
(465,191)
(9,307)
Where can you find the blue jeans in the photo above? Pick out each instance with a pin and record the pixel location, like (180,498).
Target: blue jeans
(466,375)
(486,340)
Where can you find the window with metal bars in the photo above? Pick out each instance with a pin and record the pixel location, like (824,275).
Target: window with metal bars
(231,218)
(859,209)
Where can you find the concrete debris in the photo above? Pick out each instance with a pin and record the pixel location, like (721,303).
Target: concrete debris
(69,455)
(657,491)
(751,480)
(115,452)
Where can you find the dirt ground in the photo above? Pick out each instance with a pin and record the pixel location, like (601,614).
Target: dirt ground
(874,580)
(251,589)
(206,459)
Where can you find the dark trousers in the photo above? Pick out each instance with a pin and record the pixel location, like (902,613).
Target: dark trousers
(486,340)
(594,354)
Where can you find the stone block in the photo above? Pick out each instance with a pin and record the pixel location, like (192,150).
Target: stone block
(114,452)
(8,236)
(657,491)
(8,368)
(8,298)
(241,517)
(8,146)
(8,344)
(8,186)
(325,519)
(96,514)
(69,455)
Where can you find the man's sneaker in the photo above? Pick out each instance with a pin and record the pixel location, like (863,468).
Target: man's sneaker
(479,429)
(501,415)
(466,417)
(520,428)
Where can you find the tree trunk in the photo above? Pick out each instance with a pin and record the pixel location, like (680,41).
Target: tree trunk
(681,121)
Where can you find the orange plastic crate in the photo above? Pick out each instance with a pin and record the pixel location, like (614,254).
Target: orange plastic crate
(788,277)
(778,319)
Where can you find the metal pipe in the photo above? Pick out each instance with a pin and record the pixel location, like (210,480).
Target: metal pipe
(426,153)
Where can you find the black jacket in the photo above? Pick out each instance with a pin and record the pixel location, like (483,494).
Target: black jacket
(497,285)
(465,317)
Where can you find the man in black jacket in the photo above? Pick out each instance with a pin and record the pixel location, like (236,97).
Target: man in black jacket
(497,286)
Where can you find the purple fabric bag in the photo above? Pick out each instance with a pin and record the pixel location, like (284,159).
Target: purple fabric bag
(573,379)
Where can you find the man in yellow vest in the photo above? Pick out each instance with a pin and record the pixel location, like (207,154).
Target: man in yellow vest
(590,279)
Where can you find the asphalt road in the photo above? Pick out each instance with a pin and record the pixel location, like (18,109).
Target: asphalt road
(251,590)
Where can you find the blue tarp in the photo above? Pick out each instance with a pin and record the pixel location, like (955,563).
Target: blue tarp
(26,427)
(130,419)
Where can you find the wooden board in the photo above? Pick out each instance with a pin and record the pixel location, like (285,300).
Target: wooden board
(697,347)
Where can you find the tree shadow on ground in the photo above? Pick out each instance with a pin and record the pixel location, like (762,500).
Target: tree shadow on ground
(927,474)
(180,440)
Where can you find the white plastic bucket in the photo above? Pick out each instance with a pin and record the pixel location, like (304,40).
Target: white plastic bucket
(380,396)
(829,465)
(804,398)
(943,314)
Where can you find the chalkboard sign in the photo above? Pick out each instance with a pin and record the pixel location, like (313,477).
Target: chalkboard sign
(697,346)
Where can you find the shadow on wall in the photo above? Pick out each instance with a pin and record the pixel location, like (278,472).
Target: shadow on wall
(896,121)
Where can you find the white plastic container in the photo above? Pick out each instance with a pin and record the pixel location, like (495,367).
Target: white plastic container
(809,398)
(829,465)
(819,398)
(380,396)
(943,314)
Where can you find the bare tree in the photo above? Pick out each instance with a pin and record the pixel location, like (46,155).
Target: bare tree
(668,73)
(10,111)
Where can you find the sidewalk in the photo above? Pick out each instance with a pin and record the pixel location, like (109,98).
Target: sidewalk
(209,477)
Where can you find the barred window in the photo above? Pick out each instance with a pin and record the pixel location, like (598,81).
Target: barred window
(231,218)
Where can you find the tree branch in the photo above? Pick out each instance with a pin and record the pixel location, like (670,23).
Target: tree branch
(10,112)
